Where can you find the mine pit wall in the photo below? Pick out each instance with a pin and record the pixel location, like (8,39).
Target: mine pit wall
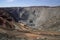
(45,18)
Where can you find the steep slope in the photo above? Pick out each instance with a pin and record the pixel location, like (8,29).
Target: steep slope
(41,17)
(45,18)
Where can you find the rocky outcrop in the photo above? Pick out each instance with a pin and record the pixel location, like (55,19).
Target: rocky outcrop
(42,23)
(41,17)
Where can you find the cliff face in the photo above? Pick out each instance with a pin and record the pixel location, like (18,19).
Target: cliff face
(45,18)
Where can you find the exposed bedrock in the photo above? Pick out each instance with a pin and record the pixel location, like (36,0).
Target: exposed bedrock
(42,17)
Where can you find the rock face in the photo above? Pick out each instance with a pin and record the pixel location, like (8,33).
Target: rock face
(41,17)
(45,18)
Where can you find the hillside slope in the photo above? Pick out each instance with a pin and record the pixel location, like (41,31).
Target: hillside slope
(45,18)
(41,17)
(30,23)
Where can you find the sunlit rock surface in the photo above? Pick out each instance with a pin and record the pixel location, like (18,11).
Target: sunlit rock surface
(42,17)
(39,17)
